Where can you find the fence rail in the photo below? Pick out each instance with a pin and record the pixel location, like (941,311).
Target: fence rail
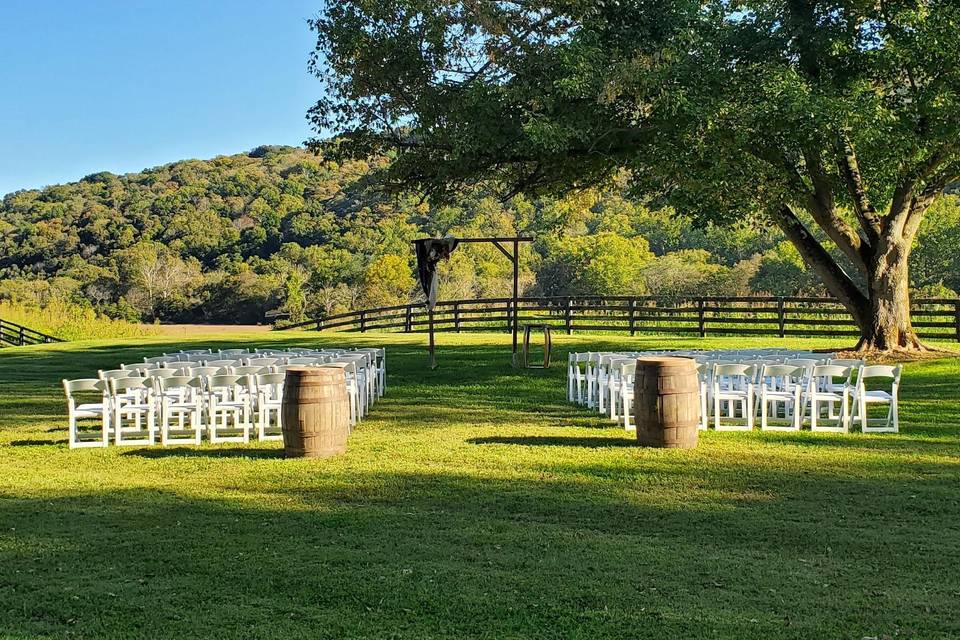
(934,318)
(18,335)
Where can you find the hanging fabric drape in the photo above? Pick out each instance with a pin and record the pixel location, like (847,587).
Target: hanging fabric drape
(430,252)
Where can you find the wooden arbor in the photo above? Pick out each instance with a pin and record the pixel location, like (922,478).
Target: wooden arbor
(513,255)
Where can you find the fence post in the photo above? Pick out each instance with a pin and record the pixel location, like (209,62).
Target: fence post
(568,317)
(23,337)
(782,317)
(408,319)
(363,322)
(701,318)
(633,309)
(510,312)
(456,316)
(319,324)
(956,317)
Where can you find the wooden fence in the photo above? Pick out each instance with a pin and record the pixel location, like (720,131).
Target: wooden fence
(933,318)
(18,335)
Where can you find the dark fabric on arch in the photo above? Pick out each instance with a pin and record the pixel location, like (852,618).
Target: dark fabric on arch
(430,251)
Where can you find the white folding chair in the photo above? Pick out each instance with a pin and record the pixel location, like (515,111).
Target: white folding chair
(134,412)
(269,403)
(228,408)
(864,397)
(826,393)
(781,385)
(733,385)
(99,410)
(180,403)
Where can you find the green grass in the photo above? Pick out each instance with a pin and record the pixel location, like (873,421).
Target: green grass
(475,503)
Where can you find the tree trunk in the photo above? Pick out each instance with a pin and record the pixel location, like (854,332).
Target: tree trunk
(882,312)
(884,320)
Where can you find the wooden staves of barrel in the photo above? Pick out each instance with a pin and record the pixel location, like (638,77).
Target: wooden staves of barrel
(315,413)
(666,402)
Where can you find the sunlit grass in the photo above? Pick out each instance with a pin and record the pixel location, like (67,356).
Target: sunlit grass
(475,502)
(71,322)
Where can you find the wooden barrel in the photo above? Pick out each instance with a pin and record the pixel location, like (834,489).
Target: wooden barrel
(666,402)
(315,413)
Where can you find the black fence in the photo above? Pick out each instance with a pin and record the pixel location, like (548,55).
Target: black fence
(18,335)
(933,318)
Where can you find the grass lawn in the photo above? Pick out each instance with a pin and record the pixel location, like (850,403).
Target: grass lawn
(475,503)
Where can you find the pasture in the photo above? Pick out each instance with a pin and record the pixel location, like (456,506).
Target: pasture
(475,502)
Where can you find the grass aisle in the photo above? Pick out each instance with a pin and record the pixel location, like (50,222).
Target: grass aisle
(475,503)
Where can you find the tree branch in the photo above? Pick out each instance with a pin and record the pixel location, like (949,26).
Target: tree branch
(823,210)
(902,205)
(819,259)
(849,166)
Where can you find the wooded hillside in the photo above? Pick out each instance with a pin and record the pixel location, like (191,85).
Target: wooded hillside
(227,239)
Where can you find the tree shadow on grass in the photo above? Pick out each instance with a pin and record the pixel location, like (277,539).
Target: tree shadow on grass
(556,441)
(37,443)
(388,554)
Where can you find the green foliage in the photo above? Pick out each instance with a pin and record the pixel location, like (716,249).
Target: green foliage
(782,273)
(227,239)
(387,281)
(601,264)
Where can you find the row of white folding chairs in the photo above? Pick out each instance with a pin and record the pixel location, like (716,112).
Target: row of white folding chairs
(610,387)
(587,372)
(179,409)
(273,357)
(364,372)
(605,381)
(361,378)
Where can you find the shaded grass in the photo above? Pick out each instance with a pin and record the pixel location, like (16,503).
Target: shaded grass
(474,502)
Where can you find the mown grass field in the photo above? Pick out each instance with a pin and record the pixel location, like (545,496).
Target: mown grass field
(475,503)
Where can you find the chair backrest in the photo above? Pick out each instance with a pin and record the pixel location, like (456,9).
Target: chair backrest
(847,362)
(733,369)
(115,373)
(164,385)
(159,360)
(831,372)
(202,371)
(120,385)
(159,373)
(225,381)
(249,370)
(262,362)
(82,385)
(311,360)
(880,371)
(782,370)
(219,363)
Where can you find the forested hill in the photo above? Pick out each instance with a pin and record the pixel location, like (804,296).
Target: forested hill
(229,238)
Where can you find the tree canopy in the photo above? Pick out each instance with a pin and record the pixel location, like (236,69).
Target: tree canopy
(836,120)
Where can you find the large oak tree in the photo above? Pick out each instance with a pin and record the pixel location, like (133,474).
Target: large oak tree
(836,120)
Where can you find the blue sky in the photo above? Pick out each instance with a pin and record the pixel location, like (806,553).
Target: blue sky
(121,85)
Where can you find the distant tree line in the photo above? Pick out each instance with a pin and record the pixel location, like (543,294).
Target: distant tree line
(228,239)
